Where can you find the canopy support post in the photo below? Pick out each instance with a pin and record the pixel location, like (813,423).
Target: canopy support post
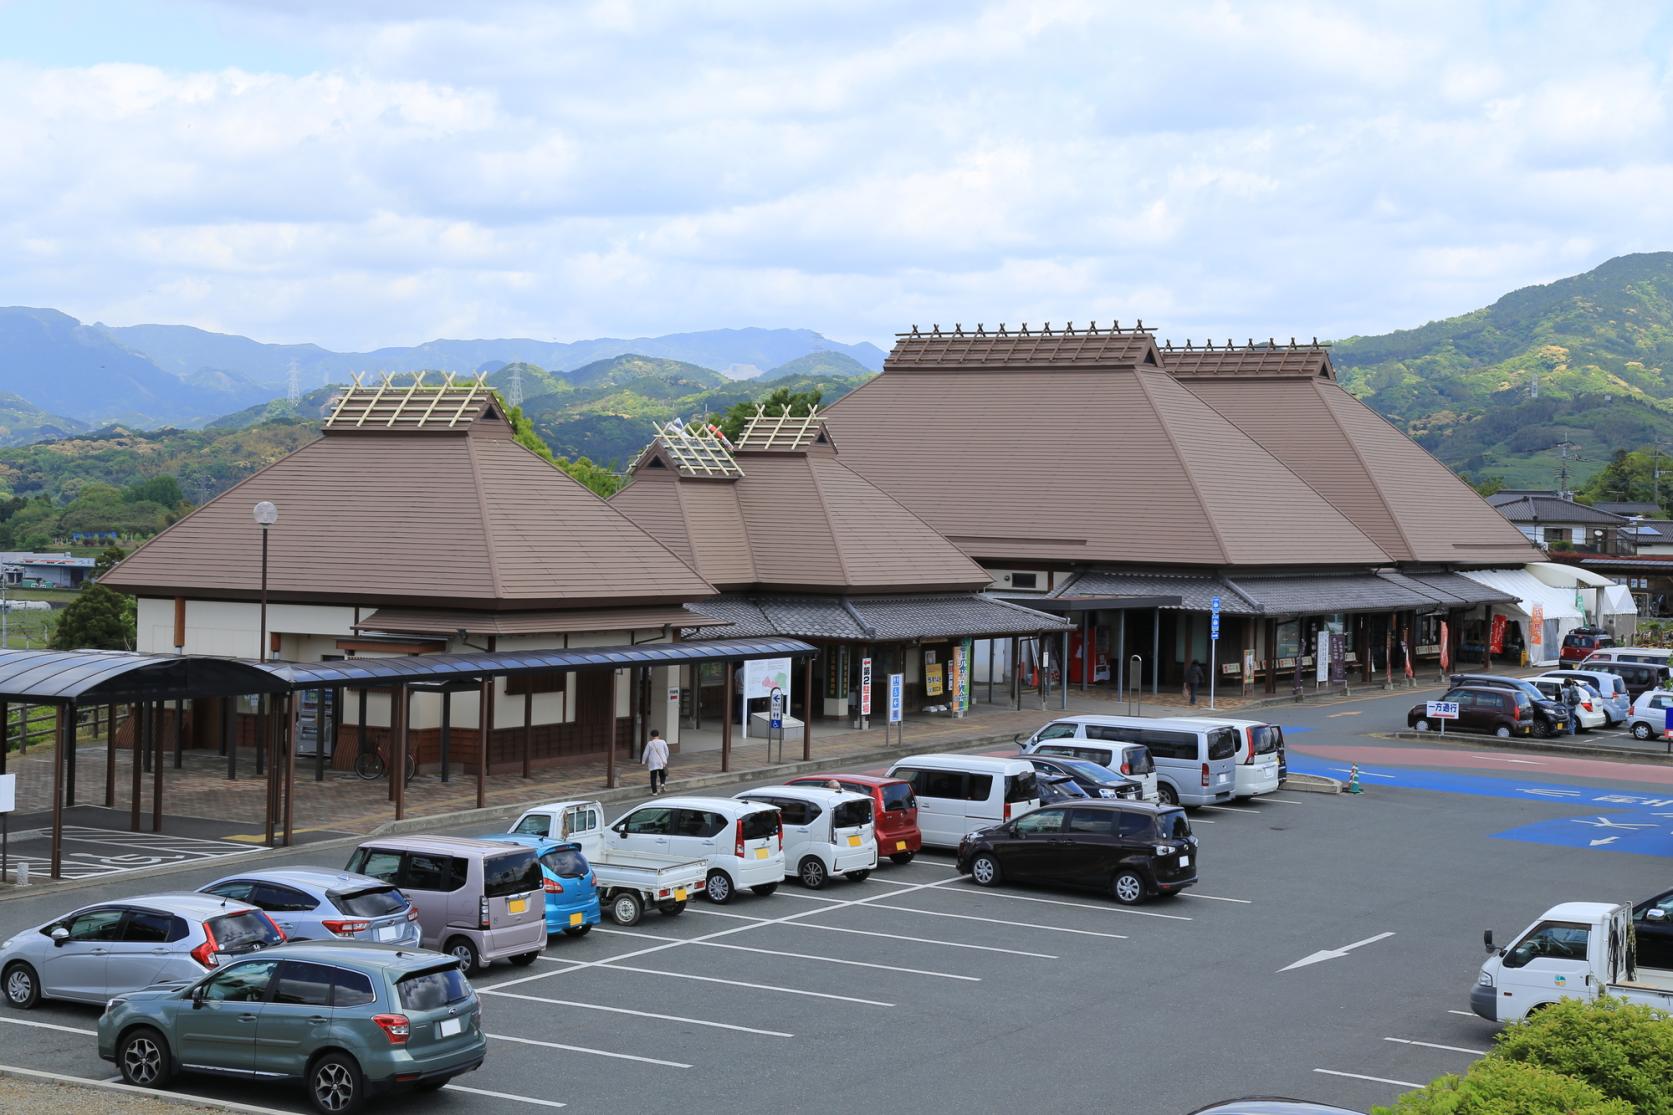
(57,796)
(807,709)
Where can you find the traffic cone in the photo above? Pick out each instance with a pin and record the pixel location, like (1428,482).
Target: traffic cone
(1353,780)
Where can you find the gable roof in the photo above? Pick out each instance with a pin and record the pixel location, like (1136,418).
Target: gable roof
(460,514)
(1077,448)
(1411,505)
(1554,509)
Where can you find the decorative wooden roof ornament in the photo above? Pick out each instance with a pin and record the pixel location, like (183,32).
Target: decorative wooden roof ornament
(698,450)
(780,431)
(415,405)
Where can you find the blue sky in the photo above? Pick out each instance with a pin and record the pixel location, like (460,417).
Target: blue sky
(365,174)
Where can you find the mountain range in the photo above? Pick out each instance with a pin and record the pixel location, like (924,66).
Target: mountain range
(149,375)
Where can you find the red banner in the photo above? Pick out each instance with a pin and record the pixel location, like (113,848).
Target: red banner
(1446,647)
(1496,641)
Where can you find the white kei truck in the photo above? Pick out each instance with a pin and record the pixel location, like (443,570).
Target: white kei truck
(628,882)
(1577,950)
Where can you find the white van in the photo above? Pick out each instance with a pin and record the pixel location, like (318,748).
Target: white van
(1196,761)
(741,840)
(1650,656)
(1260,755)
(962,793)
(1071,737)
(826,832)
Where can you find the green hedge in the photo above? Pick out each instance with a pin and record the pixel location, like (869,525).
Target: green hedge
(1496,1087)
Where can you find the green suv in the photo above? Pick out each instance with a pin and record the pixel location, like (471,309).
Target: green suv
(347,1019)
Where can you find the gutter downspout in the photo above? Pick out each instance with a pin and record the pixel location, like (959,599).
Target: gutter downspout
(859,620)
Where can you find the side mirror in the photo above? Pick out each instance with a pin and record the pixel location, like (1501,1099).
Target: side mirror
(59,935)
(1656,914)
(197,997)
(1487,939)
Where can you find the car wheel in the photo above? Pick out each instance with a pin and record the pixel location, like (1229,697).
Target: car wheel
(143,1058)
(524,959)
(859,876)
(1542,729)
(1640,730)
(23,986)
(335,1085)
(902,857)
(1167,794)
(577,930)
(1503,731)
(460,949)
(718,888)
(1422,725)
(764,889)
(985,870)
(626,909)
(812,873)
(1128,888)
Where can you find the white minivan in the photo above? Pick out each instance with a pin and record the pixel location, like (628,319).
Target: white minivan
(1259,756)
(958,794)
(1196,761)
(1080,737)
(741,840)
(826,832)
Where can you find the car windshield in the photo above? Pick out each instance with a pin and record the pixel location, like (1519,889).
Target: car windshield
(510,874)
(372,902)
(1173,825)
(244,930)
(1087,769)
(565,862)
(434,989)
(898,796)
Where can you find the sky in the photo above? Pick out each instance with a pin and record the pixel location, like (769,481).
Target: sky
(360,173)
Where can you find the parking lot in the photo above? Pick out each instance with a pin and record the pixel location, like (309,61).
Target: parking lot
(1327,953)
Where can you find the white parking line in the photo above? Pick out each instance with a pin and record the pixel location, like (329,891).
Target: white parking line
(892,936)
(1215,898)
(639,1013)
(495,1095)
(1264,798)
(1001,921)
(1463,1013)
(1432,1045)
(50,1026)
(836,960)
(1373,1079)
(594,1052)
(821,897)
(741,983)
(1230,809)
(148,1093)
(984,892)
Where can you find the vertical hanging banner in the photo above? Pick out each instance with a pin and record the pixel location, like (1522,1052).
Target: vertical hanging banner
(897,686)
(1496,635)
(865,687)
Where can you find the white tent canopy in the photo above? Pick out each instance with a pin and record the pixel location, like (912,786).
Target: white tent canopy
(1609,601)
(1560,613)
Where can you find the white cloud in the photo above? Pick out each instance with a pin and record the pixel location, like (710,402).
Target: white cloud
(627,169)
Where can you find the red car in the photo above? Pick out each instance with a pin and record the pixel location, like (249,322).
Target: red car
(892,802)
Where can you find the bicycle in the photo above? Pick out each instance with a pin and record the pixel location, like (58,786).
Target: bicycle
(371,765)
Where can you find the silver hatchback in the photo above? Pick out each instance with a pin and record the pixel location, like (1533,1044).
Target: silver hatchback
(98,951)
(324,904)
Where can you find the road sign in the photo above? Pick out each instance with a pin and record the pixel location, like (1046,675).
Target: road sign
(896,685)
(1214,619)
(8,792)
(865,687)
(1442,710)
(776,714)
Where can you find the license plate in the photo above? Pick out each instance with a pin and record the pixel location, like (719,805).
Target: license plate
(900,845)
(388,932)
(679,894)
(760,853)
(447,1027)
(1225,778)
(1185,861)
(576,919)
(517,906)
(853,842)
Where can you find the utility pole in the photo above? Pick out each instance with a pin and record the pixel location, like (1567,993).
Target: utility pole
(1562,469)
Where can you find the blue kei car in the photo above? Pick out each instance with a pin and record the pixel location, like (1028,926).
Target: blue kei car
(571,890)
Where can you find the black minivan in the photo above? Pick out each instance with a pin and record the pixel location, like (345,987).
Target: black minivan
(1129,850)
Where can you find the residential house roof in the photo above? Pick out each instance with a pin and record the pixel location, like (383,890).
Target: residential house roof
(1556,510)
(874,618)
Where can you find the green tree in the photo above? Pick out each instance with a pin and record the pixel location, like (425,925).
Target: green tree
(1622,1049)
(1630,477)
(1499,1087)
(164,490)
(97,619)
(737,416)
(107,561)
(601,480)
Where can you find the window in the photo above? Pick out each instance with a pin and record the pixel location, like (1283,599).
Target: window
(147,927)
(1055,731)
(307,985)
(238,890)
(1025,580)
(241,983)
(434,989)
(579,820)
(648,822)
(96,925)
(1556,534)
(978,787)
(351,989)
(566,863)
(938,784)
(1222,743)
(1268,738)
(1173,824)
(1139,761)
(373,902)
(428,871)
(1552,940)
(760,825)
(1040,821)
(1169,745)
(235,932)
(513,873)
(1105,732)
(1092,822)
(271,896)
(795,812)
(1019,787)
(1136,826)
(699,823)
(377,863)
(535,824)
(852,814)
(898,796)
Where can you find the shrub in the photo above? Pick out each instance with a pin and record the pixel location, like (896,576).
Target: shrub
(1622,1049)
(1504,1087)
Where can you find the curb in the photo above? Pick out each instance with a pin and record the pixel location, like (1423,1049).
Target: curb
(1312,784)
(1592,752)
(493,813)
(154,1095)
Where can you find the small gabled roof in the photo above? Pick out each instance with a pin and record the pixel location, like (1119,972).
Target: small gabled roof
(1555,509)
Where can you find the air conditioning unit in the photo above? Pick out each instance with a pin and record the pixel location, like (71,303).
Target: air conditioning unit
(1021,580)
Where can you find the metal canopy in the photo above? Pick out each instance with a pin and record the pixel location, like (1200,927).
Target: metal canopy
(98,677)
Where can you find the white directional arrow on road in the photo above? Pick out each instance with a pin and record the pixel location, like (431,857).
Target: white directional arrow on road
(1605,840)
(1333,954)
(1552,793)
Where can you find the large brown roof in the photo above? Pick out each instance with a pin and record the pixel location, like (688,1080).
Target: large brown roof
(795,520)
(461,516)
(1101,459)
(1411,505)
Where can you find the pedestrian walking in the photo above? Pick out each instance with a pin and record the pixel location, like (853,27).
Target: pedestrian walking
(1194,679)
(656,758)
(1571,703)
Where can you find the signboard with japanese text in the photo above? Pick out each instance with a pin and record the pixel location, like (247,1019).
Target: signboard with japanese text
(865,687)
(897,686)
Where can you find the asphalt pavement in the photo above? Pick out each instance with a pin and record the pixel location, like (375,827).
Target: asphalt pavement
(1327,953)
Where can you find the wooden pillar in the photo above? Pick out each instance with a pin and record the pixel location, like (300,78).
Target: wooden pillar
(157,765)
(337,697)
(807,709)
(264,743)
(484,719)
(726,719)
(528,727)
(446,728)
(135,789)
(70,768)
(110,753)
(389,753)
(399,771)
(1487,636)
(291,723)
(179,731)
(57,871)
(610,748)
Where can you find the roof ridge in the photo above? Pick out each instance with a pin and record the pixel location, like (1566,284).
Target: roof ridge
(1376,481)
(482,514)
(691,535)
(1190,478)
(825,510)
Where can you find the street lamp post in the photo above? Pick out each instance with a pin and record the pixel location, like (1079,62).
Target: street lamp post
(266,515)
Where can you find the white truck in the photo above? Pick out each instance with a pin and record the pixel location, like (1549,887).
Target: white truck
(628,882)
(1578,950)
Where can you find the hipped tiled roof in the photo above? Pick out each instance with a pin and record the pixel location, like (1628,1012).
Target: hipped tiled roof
(1291,594)
(1554,509)
(875,618)
(440,621)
